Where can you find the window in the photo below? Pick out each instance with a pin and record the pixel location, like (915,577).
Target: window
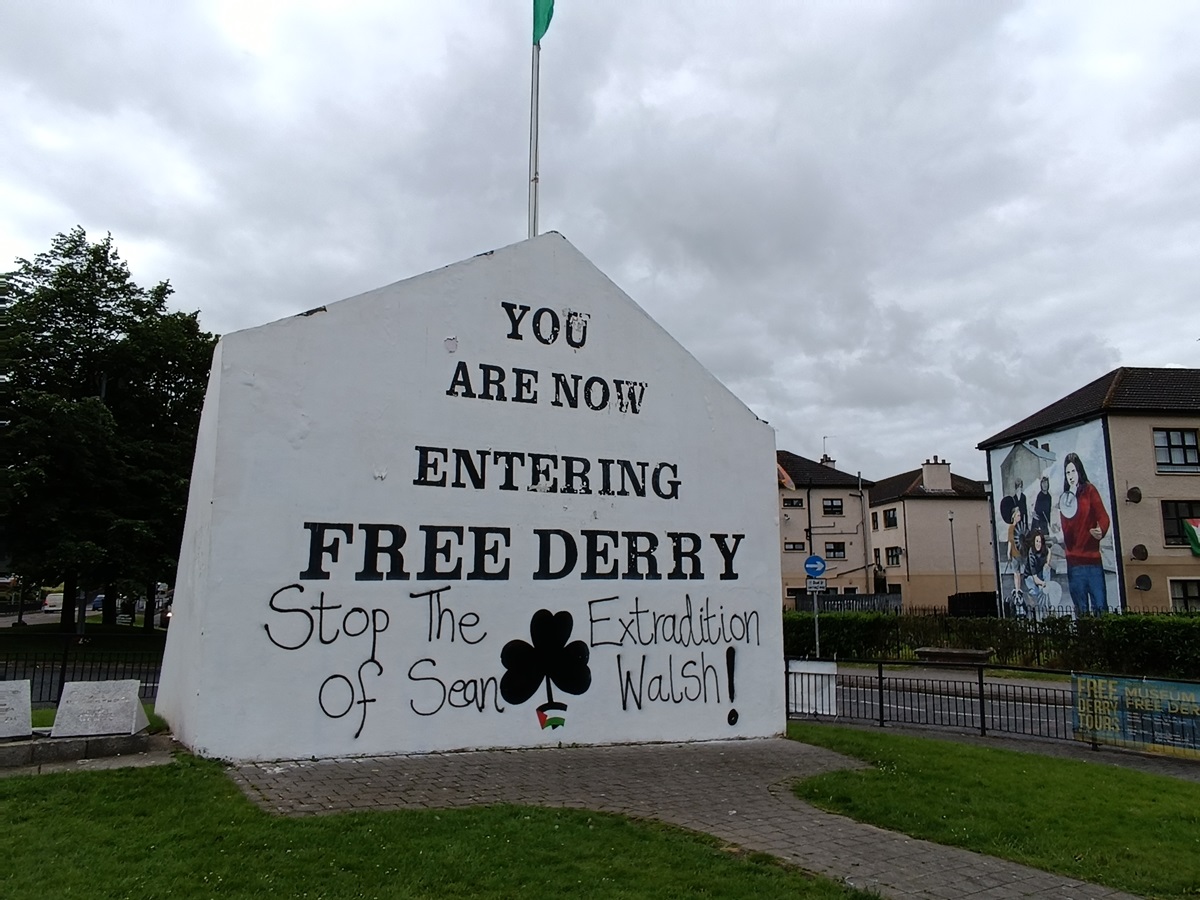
(832,506)
(835,549)
(1176,450)
(850,589)
(1185,595)
(893,556)
(874,521)
(877,556)
(793,503)
(1173,514)
(889,518)
(893,589)
(792,546)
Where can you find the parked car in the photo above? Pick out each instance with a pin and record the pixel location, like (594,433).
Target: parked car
(52,603)
(98,602)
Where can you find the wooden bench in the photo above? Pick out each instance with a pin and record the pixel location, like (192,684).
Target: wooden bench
(954,655)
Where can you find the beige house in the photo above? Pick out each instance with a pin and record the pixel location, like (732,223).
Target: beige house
(1115,469)
(823,512)
(931,535)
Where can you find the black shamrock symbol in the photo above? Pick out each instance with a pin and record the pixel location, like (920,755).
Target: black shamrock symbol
(549,658)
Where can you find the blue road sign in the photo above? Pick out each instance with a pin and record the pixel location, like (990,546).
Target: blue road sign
(814,566)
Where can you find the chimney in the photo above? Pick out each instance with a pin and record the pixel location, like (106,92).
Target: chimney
(826,460)
(935,475)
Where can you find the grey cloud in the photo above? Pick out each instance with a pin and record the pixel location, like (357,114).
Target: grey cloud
(904,224)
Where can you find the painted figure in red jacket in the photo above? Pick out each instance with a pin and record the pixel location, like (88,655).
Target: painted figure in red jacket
(1084,523)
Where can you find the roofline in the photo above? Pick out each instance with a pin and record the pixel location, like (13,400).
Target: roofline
(992,442)
(1107,406)
(942,495)
(1141,412)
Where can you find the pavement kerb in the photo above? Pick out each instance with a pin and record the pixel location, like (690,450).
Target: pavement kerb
(42,754)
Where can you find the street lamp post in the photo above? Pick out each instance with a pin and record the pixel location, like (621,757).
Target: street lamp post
(953,555)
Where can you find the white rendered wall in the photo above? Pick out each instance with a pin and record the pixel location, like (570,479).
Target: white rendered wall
(291,638)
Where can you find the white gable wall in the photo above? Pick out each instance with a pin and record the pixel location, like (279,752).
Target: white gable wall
(318,419)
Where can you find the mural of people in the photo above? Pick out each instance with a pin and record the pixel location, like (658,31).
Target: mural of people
(1018,537)
(1016,500)
(1041,507)
(1084,522)
(1075,528)
(1040,588)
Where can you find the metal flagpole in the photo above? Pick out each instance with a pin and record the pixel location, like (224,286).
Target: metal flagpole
(533,146)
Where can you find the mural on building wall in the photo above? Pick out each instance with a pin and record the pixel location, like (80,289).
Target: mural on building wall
(1052,506)
(522,534)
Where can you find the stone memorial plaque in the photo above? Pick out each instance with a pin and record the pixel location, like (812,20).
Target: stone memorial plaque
(15,717)
(92,708)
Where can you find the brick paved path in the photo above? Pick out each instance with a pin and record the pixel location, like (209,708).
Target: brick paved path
(735,790)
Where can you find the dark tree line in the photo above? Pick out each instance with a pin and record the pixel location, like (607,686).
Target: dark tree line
(102,388)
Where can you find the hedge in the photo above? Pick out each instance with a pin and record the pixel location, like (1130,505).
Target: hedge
(1129,644)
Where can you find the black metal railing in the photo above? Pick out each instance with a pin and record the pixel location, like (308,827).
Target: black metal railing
(889,603)
(8,607)
(50,661)
(943,696)
(988,609)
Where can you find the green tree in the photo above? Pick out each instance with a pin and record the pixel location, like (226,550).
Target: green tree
(104,388)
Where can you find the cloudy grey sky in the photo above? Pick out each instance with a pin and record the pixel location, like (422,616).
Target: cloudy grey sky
(892,229)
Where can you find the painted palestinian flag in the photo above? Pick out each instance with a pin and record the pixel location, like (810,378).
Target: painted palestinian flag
(1191,527)
(552,715)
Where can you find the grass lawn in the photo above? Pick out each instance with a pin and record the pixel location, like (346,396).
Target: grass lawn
(1125,829)
(44,718)
(186,831)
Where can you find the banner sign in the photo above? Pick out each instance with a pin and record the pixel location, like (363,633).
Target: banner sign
(1161,716)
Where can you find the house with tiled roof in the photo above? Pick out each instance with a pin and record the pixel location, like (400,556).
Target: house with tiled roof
(931,536)
(1108,478)
(823,512)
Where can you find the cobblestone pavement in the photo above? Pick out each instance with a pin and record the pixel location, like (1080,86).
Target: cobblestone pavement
(737,791)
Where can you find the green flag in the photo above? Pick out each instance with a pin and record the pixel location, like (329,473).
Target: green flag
(1191,527)
(543,12)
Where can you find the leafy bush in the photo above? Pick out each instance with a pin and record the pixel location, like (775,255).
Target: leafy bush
(1168,646)
(1129,644)
(845,634)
